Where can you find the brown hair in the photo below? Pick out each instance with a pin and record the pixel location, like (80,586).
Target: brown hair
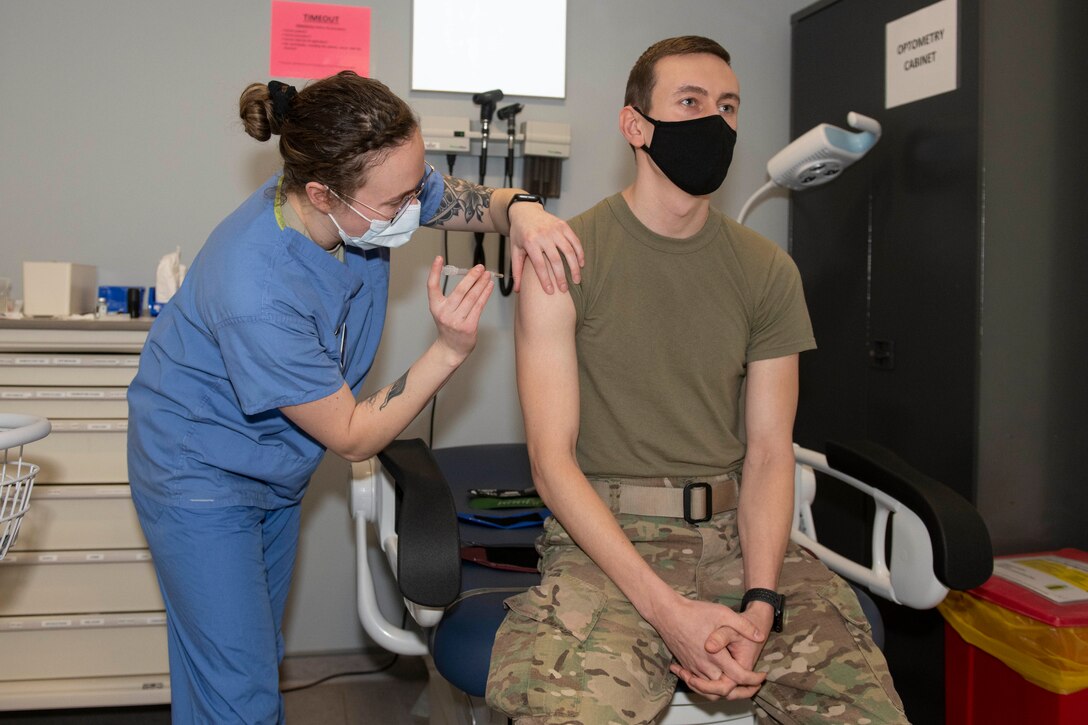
(331,131)
(640,83)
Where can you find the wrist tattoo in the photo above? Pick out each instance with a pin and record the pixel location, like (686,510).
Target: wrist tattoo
(395,389)
(462,197)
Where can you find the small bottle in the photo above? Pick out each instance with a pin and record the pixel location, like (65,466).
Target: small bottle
(101,308)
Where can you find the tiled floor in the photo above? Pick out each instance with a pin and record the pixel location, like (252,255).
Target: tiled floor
(346,698)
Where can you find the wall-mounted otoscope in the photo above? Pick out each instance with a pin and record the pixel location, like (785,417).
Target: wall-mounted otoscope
(486,101)
(508,114)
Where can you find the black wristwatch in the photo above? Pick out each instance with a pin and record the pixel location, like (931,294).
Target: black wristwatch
(522,197)
(776,600)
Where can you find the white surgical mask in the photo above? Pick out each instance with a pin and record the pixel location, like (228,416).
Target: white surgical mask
(383,233)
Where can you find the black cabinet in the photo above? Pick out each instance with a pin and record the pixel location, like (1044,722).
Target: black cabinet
(947,276)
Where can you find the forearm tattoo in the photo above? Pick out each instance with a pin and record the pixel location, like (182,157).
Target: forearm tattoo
(462,197)
(395,389)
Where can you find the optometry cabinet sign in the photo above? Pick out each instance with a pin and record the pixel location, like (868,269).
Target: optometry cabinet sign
(921,54)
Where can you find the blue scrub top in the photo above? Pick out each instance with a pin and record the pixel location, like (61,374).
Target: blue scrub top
(259,323)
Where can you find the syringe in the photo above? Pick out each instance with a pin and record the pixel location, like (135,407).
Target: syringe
(451,271)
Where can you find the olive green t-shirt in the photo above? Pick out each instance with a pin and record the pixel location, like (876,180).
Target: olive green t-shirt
(665,330)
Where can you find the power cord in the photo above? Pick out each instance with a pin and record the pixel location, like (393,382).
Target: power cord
(336,675)
(351,673)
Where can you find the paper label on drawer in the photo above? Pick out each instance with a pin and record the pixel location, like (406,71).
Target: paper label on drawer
(75,426)
(16,395)
(31,361)
(98,426)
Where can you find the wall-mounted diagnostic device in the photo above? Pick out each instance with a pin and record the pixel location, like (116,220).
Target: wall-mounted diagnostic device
(817,157)
(446,134)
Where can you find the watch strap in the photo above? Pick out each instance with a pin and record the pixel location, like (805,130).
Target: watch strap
(776,600)
(522,197)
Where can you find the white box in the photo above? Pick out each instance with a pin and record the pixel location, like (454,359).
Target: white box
(58,289)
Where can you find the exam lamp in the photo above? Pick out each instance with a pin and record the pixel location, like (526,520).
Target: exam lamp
(817,157)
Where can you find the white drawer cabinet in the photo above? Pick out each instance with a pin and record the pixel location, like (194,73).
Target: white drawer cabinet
(64,402)
(62,369)
(81,517)
(77,582)
(79,600)
(82,451)
(54,650)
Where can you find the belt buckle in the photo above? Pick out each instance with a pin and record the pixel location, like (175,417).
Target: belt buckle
(688,488)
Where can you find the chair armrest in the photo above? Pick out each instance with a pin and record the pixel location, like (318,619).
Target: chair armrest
(378,501)
(428,557)
(962,552)
(915,520)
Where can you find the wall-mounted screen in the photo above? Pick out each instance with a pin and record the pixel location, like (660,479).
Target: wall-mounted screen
(471,46)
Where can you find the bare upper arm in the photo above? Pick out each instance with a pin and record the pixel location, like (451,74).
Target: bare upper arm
(547,367)
(770,402)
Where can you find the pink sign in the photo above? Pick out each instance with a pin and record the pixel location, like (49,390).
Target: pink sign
(313,40)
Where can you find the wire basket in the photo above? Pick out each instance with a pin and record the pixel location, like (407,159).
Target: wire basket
(16,475)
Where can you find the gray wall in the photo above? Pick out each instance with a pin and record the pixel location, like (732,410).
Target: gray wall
(119,140)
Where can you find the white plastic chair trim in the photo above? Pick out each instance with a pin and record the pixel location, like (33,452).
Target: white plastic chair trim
(909,578)
(373,502)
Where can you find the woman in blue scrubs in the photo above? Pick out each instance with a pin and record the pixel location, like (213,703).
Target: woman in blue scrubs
(251,371)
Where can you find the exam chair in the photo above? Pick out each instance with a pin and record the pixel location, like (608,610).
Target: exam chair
(926,540)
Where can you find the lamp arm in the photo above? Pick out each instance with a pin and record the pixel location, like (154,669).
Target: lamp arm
(759,195)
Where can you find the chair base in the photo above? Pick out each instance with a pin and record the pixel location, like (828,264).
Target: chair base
(687,708)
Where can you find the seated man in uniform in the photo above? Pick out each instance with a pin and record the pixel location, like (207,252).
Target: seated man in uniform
(659,399)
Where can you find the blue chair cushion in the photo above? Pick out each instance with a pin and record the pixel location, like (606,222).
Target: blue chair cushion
(461,643)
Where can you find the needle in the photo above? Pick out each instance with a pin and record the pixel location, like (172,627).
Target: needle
(451,271)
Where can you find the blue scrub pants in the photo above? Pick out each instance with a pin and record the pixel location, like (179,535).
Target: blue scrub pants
(224,573)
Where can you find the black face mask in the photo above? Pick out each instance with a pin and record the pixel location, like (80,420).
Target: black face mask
(695,154)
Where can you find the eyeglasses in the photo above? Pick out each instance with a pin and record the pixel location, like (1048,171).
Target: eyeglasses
(406,202)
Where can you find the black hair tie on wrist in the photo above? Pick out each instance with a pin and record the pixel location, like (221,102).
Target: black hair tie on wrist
(281,95)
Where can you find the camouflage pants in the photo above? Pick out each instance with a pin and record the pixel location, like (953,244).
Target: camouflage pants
(573,650)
